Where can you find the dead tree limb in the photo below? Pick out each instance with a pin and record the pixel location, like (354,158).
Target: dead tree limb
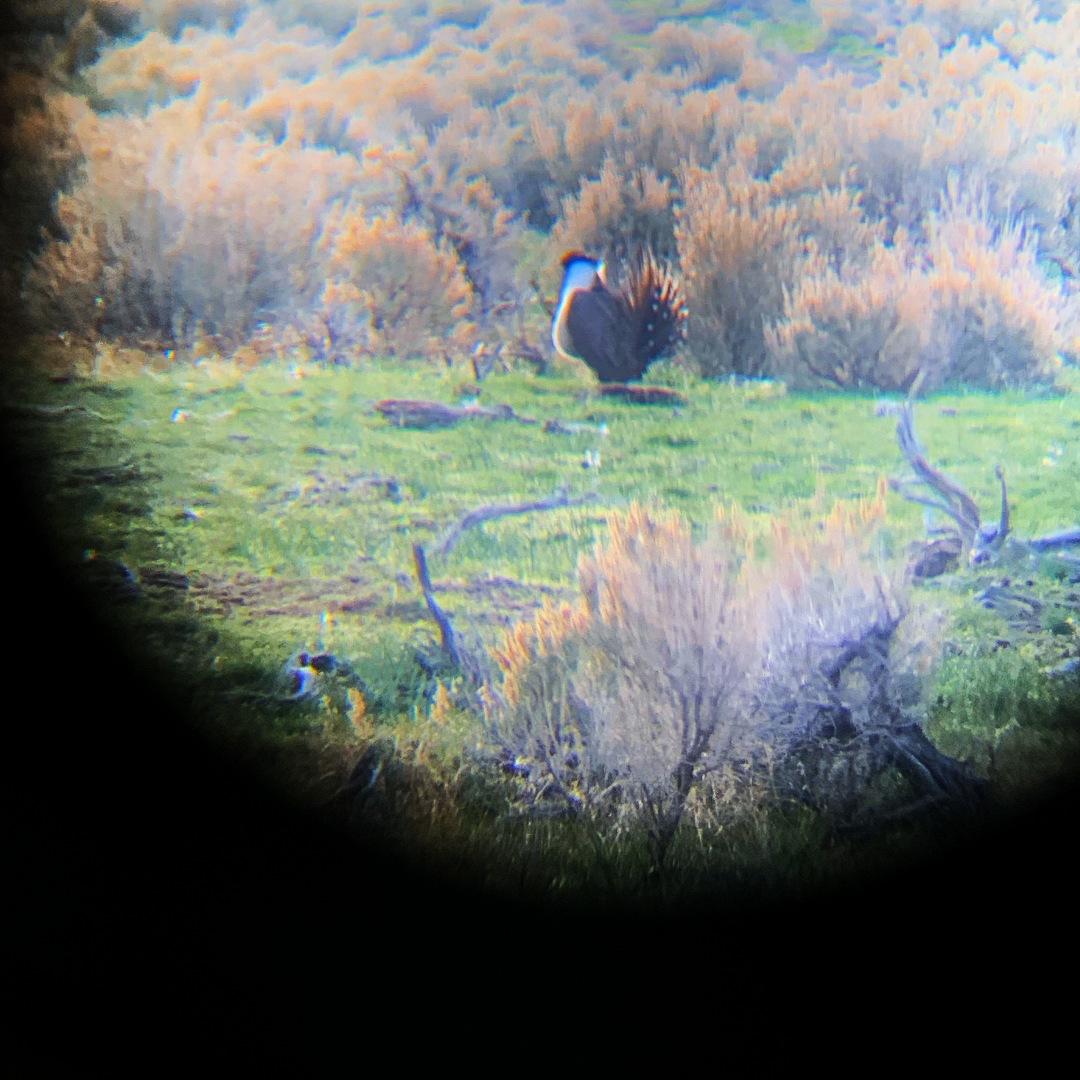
(852,729)
(434,414)
(981,542)
(497,510)
(952,499)
(642,395)
(1061,539)
(446,631)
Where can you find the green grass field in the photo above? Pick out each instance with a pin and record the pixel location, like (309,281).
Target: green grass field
(284,508)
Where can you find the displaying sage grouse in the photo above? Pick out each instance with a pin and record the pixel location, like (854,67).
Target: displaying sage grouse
(618,333)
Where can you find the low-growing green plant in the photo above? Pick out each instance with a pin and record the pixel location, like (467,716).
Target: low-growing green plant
(976,698)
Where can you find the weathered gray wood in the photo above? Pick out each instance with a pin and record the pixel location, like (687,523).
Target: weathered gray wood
(426,415)
(493,511)
(442,620)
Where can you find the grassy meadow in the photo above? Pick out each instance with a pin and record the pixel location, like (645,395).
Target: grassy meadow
(271,511)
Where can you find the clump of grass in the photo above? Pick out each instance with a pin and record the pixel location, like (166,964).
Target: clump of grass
(980,700)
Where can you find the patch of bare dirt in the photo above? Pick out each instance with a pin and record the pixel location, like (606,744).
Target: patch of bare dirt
(251,596)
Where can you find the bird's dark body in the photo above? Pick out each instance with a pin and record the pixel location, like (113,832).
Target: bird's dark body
(617,333)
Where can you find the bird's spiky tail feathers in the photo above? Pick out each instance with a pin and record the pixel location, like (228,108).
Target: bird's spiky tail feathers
(658,312)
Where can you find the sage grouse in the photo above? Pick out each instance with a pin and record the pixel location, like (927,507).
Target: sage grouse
(618,333)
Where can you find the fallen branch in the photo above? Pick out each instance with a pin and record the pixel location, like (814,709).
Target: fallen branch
(433,414)
(446,631)
(497,510)
(952,500)
(981,542)
(569,427)
(643,395)
(1060,539)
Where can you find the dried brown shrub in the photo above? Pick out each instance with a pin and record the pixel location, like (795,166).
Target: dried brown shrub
(738,250)
(968,305)
(39,157)
(707,56)
(995,320)
(614,693)
(948,19)
(464,211)
(796,140)
(572,137)
(853,329)
(183,219)
(393,289)
(616,214)
(64,285)
(109,264)
(681,660)
(834,220)
(849,16)
(240,129)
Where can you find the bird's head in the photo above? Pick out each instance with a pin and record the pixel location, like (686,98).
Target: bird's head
(581,272)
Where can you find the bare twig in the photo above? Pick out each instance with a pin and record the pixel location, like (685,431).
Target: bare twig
(446,631)
(1003,521)
(548,305)
(497,510)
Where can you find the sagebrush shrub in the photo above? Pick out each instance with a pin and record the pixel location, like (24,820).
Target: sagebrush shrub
(995,320)
(182,220)
(738,251)
(614,215)
(393,289)
(40,159)
(853,327)
(967,304)
(682,661)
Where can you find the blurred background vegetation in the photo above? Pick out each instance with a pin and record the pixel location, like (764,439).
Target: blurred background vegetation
(848,191)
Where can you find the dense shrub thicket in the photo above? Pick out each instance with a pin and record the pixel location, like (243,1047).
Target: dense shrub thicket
(391,178)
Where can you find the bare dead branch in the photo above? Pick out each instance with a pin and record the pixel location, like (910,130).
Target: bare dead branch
(492,511)
(978,540)
(1003,520)
(522,350)
(1062,538)
(955,502)
(548,305)
(446,631)
(643,395)
(433,414)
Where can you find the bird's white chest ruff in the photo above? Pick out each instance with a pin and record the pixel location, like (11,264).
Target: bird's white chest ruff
(579,277)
